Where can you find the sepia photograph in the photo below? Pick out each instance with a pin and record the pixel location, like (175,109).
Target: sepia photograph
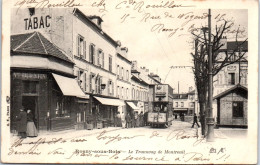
(129,82)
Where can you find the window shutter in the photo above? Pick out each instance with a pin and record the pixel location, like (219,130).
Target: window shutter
(85,82)
(98,58)
(237,78)
(90,83)
(100,82)
(112,83)
(108,87)
(93,57)
(84,49)
(90,53)
(103,63)
(78,46)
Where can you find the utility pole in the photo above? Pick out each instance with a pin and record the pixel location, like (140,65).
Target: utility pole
(210,119)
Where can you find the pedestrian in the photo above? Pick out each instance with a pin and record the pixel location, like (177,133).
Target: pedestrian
(195,120)
(22,123)
(31,129)
(128,120)
(136,118)
(123,120)
(145,118)
(118,117)
(141,119)
(133,123)
(176,116)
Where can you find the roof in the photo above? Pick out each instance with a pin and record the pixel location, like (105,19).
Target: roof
(138,80)
(87,20)
(123,58)
(154,79)
(191,92)
(36,43)
(180,96)
(235,45)
(236,87)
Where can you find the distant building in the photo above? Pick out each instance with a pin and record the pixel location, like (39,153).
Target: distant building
(185,103)
(123,82)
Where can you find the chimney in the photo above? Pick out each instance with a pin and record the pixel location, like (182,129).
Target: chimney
(124,51)
(97,20)
(223,42)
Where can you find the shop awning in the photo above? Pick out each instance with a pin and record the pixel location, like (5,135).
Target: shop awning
(132,105)
(69,86)
(109,101)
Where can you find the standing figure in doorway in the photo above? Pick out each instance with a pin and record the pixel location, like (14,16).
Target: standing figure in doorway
(123,120)
(141,119)
(195,120)
(22,123)
(31,129)
(128,120)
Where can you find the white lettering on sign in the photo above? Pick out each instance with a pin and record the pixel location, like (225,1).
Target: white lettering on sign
(231,68)
(37,23)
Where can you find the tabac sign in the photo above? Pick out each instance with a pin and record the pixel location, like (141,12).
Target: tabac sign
(36,22)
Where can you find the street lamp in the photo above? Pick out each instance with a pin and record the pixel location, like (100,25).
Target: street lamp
(210,119)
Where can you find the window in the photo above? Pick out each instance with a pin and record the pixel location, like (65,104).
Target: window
(133,94)
(110,88)
(126,93)
(98,82)
(79,77)
(92,54)
(127,75)
(63,106)
(118,71)
(237,107)
(176,104)
(231,78)
(30,87)
(192,105)
(122,92)
(110,63)
(182,104)
(118,91)
(122,73)
(100,58)
(90,82)
(81,47)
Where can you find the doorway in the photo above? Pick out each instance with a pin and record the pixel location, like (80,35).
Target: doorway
(31,102)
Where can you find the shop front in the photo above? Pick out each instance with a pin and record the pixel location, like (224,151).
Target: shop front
(103,111)
(54,105)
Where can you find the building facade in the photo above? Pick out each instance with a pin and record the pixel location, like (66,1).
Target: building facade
(236,73)
(40,76)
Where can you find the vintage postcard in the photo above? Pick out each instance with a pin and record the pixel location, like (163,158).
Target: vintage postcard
(129,81)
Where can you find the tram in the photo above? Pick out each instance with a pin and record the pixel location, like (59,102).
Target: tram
(161,114)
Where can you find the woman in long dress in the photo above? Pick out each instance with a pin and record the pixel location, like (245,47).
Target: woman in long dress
(31,129)
(123,120)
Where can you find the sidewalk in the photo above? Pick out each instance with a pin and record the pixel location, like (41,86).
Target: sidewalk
(67,134)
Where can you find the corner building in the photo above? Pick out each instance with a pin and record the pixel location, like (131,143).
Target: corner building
(92,54)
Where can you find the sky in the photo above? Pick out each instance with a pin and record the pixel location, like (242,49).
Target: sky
(160,38)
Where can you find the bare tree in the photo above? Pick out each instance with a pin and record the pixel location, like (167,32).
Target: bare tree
(221,58)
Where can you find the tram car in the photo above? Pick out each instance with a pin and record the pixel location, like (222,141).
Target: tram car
(161,114)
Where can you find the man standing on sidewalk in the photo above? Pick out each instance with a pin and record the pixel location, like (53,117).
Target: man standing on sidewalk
(195,120)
